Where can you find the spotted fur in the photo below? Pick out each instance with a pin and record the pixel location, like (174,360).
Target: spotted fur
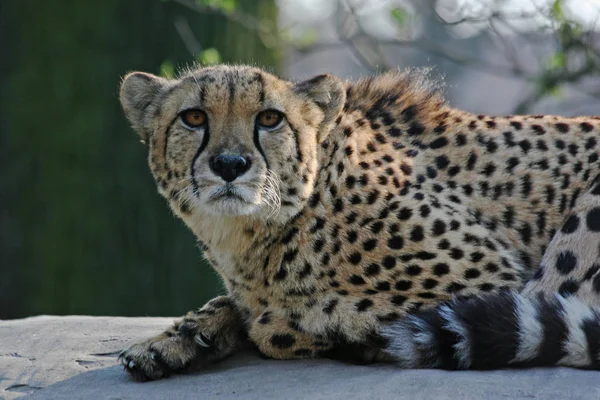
(375,222)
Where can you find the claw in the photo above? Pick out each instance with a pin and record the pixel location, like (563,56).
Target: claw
(124,361)
(153,356)
(200,340)
(131,364)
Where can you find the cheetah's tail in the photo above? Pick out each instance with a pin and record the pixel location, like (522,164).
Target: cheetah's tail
(496,331)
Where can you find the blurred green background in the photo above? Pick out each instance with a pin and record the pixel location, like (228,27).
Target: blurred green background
(82,229)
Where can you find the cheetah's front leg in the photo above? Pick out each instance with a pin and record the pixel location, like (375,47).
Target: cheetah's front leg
(280,337)
(202,337)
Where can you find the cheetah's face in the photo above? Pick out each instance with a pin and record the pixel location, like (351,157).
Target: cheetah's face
(233,141)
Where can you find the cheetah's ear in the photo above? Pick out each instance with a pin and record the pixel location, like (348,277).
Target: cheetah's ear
(138,91)
(327,91)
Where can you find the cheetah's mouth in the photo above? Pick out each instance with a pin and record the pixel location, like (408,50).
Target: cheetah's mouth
(228,192)
(231,200)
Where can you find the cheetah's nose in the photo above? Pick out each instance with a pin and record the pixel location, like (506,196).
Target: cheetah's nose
(229,167)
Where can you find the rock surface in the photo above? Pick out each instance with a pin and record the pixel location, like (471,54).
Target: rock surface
(75,357)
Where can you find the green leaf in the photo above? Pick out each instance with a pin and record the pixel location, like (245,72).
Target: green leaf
(229,5)
(225,5)
(556,61)
(167,69)
(307,39)
(209,56)
(557,11)
(400,16)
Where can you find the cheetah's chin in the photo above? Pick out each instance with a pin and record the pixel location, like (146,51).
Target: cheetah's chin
(231,201)
(232,206)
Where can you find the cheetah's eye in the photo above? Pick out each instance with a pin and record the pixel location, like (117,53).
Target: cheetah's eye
(269,118)
(193,118)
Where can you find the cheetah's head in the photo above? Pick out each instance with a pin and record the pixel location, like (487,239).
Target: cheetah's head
(233,140)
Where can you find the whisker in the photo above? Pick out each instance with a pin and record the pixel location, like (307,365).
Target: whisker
(272,194)
(185,196)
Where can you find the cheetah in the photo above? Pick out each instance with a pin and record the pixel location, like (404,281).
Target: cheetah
(370,221)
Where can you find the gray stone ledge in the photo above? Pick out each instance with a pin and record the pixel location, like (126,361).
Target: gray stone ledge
(75,358)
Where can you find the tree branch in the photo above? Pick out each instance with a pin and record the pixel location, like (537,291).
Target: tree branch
(371,52)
